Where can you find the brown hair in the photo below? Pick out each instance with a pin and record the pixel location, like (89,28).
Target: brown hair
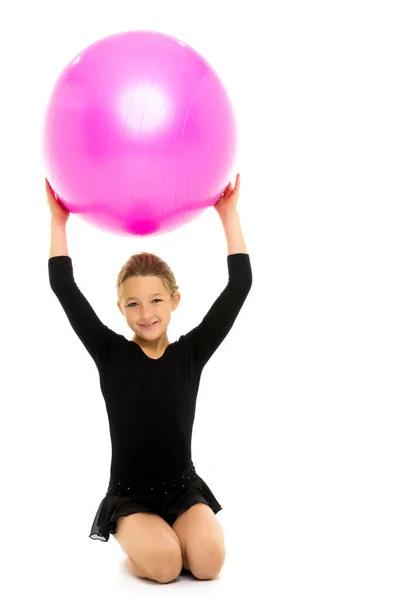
(146,263)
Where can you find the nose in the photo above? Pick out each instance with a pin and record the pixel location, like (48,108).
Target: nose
(145,313)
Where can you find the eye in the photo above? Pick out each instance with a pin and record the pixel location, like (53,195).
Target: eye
(155,300)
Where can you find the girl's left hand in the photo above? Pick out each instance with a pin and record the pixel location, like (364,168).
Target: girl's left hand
(226,204)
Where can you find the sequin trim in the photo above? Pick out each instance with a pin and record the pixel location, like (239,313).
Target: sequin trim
(143,488)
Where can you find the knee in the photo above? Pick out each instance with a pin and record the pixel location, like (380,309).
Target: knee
(209,565)
(165,566)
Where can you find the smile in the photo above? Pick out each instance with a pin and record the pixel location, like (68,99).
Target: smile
(150,325)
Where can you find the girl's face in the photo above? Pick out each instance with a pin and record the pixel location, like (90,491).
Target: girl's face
(147,305)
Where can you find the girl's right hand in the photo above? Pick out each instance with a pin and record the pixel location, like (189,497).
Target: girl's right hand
(59,212)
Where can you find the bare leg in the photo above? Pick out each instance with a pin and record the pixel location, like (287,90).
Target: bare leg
(134,569)
(153,549)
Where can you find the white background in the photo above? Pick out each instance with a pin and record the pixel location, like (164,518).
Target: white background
(297,425)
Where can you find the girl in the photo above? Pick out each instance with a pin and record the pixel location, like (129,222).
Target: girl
(156,506)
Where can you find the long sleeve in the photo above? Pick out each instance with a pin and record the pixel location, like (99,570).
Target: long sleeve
(215,326)
(94,335)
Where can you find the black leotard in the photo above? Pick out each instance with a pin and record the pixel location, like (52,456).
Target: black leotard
(150,402)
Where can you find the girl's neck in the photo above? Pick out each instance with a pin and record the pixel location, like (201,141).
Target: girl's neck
(153,346)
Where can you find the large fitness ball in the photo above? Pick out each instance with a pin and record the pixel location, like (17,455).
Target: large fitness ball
(139,134)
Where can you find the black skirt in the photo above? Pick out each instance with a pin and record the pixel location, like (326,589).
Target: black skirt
(167,497)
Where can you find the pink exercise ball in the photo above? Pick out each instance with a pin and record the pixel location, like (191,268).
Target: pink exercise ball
(139,134)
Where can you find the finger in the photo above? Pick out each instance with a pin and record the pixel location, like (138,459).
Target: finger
(49,188)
